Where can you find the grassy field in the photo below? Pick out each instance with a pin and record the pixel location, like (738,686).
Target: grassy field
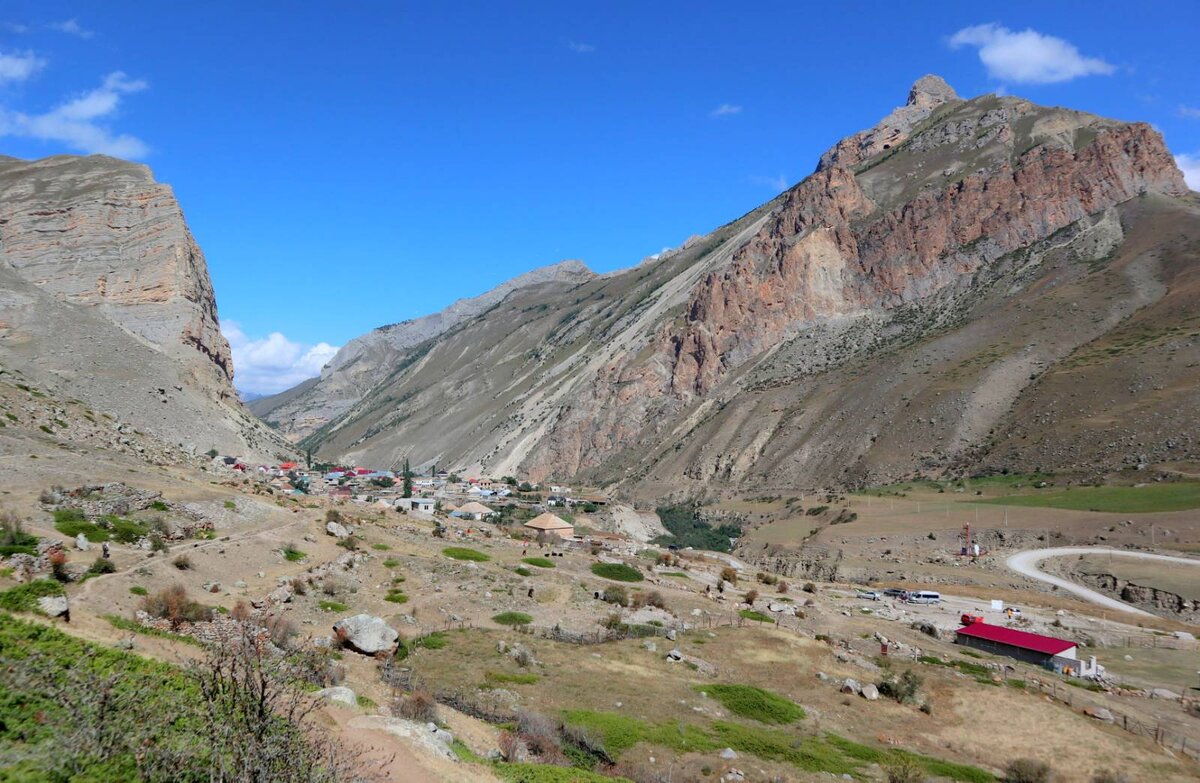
(1152,498)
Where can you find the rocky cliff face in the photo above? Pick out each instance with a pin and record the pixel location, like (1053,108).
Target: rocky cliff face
(102,276)
(884,317)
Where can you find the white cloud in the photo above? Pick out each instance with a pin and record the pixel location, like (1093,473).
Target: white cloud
(1028,56)
(725,110)
(72,27)
(1190,166)
(271,364)
(1190,112)
(19,66)
(777,183)
(580,48)
(78,122)
(15,27)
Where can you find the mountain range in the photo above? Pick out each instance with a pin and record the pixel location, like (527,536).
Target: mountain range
(969,285)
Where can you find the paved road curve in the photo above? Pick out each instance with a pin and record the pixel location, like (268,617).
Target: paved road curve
(1026,564)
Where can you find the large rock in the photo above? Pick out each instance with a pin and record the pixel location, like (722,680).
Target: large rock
(870,692)
(53,605)
(339,694)
(851,685)
(81,543)
(336,530)
(366,634)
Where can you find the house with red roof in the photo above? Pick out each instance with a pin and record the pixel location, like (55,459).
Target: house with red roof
(1050,652)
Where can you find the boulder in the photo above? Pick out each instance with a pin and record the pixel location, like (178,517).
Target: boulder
(870,692)
(1100,714)
(729,754)
(281,595)
(81,543)
(675,655)
(53,605)
(850,685)
(339,694)
(366,634)
(336,530)
(1163,693)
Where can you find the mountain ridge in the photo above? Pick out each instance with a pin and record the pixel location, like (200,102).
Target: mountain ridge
(630,370)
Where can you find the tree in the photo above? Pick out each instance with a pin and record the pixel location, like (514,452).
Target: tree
(308,459)
(408,477)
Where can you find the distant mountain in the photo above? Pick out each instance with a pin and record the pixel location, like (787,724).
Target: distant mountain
(105,297)
(969,285)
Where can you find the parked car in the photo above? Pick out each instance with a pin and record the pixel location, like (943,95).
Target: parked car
(868,595)
(895,592)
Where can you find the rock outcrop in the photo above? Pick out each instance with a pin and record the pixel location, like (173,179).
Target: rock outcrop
(105,297)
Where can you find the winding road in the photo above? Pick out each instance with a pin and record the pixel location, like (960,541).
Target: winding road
(1026,563)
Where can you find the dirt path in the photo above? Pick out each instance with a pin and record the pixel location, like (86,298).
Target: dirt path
(1026,564)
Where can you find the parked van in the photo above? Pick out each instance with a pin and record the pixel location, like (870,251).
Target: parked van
(924,597)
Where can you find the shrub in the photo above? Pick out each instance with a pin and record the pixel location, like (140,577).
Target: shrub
(902,690)
(396,596)
(755,703)
(809,587)
(13,537)
(782,587)
(419,706)
(391,562)
(299,586)
(618,572)
(753,614)
(332,606)
(71,522)
(101,565)
(183,563)
(138,590)
(173,604)
(512,618)
(380,547)
(540,562)
(24,598)
(522,571)
(349,542)
(729,575)
(751,596)
(1027,771)
(157,542)
(464,553)
(651,598)
(292,554)
(58,566)
(229,504)
(283,631)
(904,769)
(615,595)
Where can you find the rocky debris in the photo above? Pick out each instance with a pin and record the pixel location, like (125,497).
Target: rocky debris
(336,530)
(1163,693)
(281,595)
(366,634)
(338,694)
(429,740)
(53,605)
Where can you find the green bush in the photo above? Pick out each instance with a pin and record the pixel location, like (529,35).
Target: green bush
(292,554)
(332,606)
(126,531)
(391,562)
(512,618)
(751,614)
(71,522)
(138,590)
(754,703)
(522,571)
(618,572)
(24,598)
(435,640)
(396,596)
(464,553)
(540,562)
(101,565)
(380,547)
(504,678)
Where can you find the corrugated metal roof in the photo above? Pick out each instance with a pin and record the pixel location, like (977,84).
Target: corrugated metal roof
(1048,645)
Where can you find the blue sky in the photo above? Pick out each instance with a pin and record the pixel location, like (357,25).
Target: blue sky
(348,165)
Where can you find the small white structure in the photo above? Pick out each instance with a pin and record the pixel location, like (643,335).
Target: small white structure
(474,510)
(423,505)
